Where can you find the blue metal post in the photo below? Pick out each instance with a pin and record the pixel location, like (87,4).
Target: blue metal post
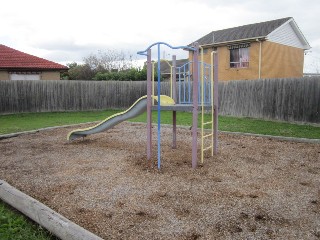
(149,103)
(159,116)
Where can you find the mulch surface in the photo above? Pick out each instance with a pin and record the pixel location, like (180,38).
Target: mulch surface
(254,188)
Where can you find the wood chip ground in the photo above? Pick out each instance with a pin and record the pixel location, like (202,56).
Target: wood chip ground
(255,188)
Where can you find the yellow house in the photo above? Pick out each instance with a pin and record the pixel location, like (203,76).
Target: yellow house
(272,49)
(16,65)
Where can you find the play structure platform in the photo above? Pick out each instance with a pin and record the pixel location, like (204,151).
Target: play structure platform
(181,107)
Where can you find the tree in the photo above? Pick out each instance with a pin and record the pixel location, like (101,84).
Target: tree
(108,61)
(132,74)
(80,71)
(95,65)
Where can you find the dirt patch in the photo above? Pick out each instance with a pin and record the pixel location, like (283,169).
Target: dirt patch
(255,188)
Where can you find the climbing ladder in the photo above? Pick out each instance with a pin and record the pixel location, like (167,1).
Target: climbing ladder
(206,80)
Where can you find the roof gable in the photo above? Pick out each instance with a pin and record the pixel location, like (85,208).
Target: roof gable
(289,34)
(14,59)
(246,32)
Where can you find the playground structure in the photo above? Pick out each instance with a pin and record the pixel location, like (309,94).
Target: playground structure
(195,89)
(197,84)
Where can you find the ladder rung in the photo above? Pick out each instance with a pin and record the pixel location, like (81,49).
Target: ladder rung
(208,135)
(206,123)
(205,149)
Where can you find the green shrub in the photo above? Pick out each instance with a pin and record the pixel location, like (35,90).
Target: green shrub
(133,74)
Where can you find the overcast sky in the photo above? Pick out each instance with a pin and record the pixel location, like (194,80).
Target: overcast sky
(66,30)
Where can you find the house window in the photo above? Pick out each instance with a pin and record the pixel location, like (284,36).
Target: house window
(239,55)
(205,51)
(25,76)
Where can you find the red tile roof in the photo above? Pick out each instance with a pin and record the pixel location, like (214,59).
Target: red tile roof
(14,59)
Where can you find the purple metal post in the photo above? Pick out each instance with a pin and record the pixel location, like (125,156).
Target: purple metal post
(174,96)
(174,129)
(174,78)
(195,105)
(149,105)
(216,102)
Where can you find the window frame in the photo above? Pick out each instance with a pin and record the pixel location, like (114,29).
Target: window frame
(34,76)
(243,50)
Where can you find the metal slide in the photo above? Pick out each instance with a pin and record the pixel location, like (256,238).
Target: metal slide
(139,107)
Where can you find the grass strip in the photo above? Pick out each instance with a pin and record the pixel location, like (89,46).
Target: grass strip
(30,121)
(14,225)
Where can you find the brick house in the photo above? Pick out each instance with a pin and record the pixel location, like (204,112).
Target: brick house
(272,49)
(16,65)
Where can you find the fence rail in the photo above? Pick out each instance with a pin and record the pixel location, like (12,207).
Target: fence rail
(279,99)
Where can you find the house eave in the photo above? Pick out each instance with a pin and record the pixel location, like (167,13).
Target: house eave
(218,44)
(24,69)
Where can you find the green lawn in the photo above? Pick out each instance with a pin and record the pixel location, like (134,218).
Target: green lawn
(15,226)
(30,121)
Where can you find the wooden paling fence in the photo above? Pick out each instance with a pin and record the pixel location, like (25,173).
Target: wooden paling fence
(295,99)
(280,99)
(50,96)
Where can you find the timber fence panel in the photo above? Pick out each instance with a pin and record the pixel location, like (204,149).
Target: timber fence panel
(296,99)
(48,96)
(314,110)
(279,99)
